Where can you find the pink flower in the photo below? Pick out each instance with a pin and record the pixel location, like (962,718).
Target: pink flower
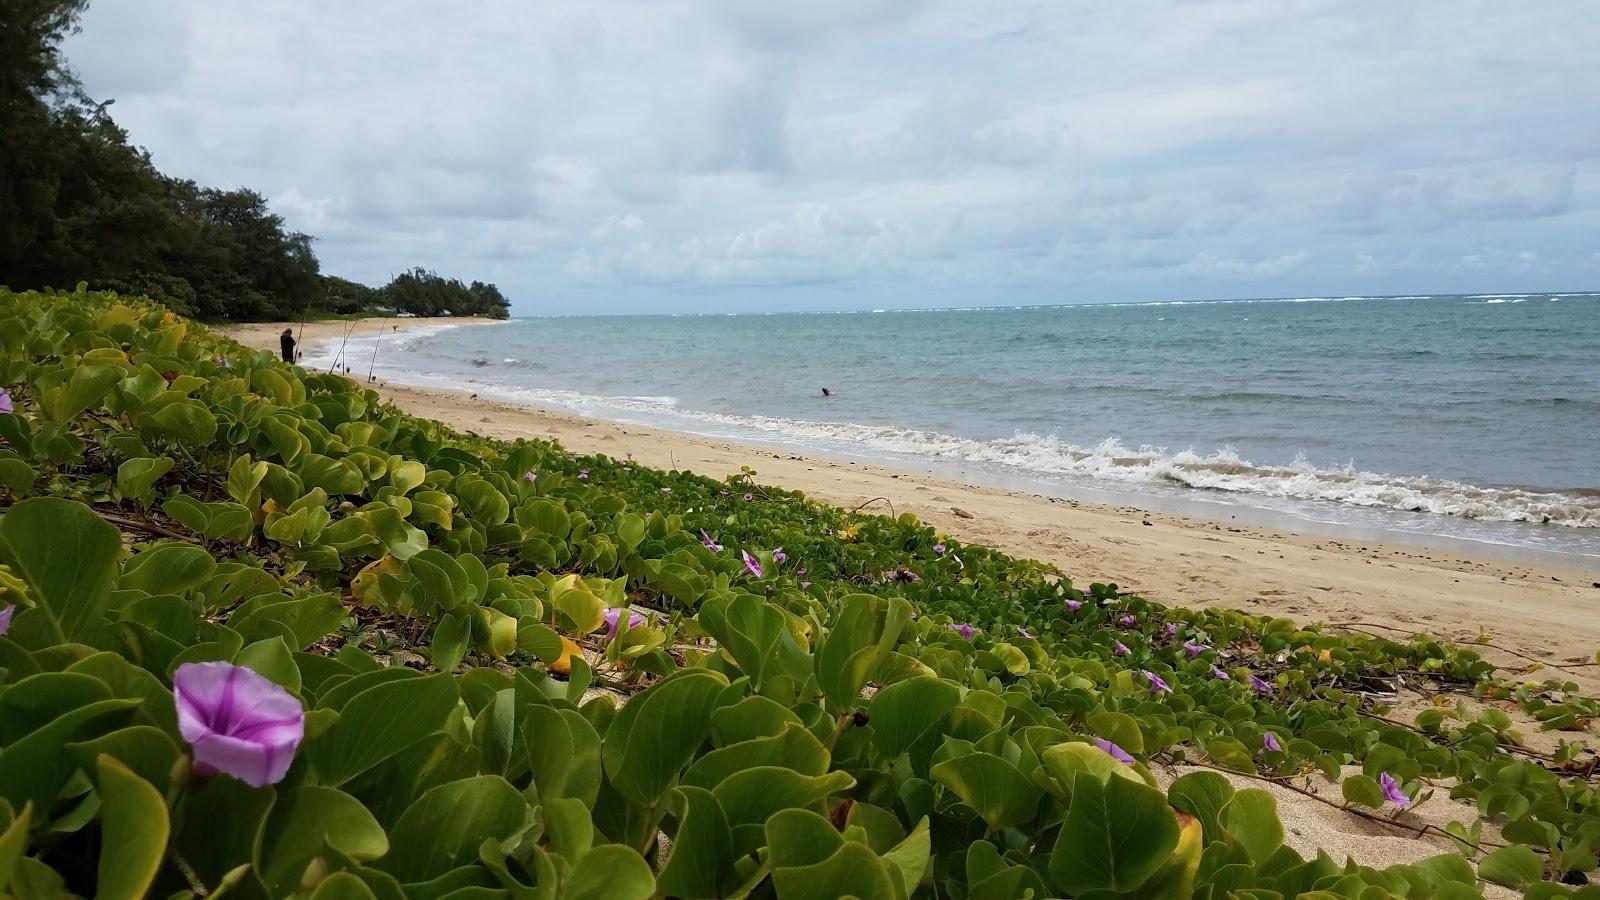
(1269,741)
(751,564)
(779,556)
(713,546)
(749,497)
(614,618)
(1392,791)
(962,629)
(530,476)
(1172,630)
(1127,621)
(5,617)
(5,402)
(1260,686)
(939,549)
(1217,673)
(1115,752)
(1074,605)
(237,721)
(1157,686)
(805,584)
(1193,649)
(583,474)
(1026,633)
(1120,649)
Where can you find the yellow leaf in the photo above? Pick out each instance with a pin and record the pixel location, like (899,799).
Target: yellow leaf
(563,665)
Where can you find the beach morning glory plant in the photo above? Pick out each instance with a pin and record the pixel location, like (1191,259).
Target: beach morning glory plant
(1074,605)
(237,721)
(5,402)
(751,564)
(1157,685)
(1260,685)
(1392,791)
(613,616)
(962,629)
(711,545)
(1120,649)
(5,617)
(1115,752)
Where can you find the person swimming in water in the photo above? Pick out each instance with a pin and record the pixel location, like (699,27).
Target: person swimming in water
(827,392)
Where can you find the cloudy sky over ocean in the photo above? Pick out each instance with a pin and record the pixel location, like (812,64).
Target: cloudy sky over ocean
(709,156)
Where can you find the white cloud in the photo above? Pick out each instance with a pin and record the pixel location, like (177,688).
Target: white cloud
(621,155)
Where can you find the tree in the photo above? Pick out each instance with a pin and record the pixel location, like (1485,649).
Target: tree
(79,202)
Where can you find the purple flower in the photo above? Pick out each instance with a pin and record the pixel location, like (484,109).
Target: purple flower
(666,490)
(630,457)
(237,721)
(221,361)
(800,572)
(710,544)
(722,493)
(1127,621)
(751,564)
(1026,633)
(939,549)
(530,476)
(626,469)
(1217,673)
(1115,752)
(779,556)
(5,401)
(911,576)
(1193,649)
(961,628)
(1269,741)
(1260,686)
(1172,630)
(749,497)
(583,474)
(1074,605)
(1391,790)
(1157,686)
(5,617)
(614,618)
(1120,649)
(805,584)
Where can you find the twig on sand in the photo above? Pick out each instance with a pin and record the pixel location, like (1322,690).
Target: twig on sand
(1417,830)
(1363,626)
(885,500)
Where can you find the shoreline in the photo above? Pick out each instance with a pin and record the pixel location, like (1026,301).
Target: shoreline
(1533,609)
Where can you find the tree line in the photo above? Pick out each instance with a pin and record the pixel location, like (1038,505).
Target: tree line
(79,202)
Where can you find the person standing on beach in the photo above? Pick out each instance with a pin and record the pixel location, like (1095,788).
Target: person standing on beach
(287,341)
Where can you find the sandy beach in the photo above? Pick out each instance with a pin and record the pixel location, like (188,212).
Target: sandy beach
(1535,612)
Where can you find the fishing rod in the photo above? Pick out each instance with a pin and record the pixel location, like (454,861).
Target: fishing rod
(375,345)
(340,355)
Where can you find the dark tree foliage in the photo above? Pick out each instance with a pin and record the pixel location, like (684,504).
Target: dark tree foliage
(424,293)
(78,202)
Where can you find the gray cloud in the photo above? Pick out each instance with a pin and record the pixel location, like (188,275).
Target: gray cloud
(617,155)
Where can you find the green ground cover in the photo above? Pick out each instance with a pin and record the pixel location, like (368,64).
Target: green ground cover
(266,636)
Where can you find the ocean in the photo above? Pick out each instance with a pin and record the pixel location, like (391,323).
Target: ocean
(1437,420)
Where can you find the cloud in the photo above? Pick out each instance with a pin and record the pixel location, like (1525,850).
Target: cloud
(616,155)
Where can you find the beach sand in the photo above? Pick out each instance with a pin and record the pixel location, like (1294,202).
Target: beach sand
(1531,613)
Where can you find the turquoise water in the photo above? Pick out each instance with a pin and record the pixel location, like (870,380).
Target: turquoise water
(1466,417)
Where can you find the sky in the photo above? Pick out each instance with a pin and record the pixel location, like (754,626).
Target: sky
(608,156)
